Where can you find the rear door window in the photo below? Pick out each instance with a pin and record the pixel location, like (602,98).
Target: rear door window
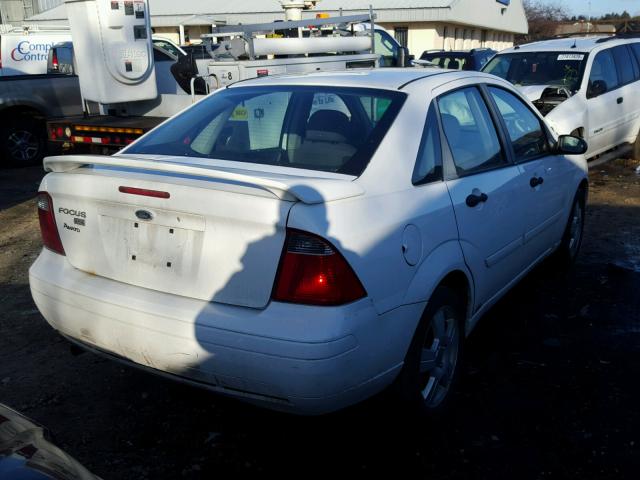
(429,162)
(635,49)
(624,63)
(470,131)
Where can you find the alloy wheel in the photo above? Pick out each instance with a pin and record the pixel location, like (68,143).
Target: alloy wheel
(23,145)
(575,230)
(439,357)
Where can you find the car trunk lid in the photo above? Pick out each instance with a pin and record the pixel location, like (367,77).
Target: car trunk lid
(211,234)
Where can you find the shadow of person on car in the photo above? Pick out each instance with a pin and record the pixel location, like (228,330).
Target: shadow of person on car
(248,341)
(289,355)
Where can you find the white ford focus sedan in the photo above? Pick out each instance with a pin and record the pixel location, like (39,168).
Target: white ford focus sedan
(305,242)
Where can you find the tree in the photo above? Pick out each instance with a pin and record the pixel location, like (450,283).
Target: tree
(543,18)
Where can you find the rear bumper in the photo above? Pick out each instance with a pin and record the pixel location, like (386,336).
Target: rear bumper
(295,358)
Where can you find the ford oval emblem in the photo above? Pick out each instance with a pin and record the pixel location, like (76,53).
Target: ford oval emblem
(144,215)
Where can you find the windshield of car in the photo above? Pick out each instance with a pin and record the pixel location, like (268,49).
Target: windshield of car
(163,44)
(444,60)
(563,69)
(318,128)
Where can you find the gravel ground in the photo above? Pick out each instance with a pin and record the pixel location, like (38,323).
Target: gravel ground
(549,387)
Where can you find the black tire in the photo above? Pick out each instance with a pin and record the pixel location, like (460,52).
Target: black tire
(23,142)
(636,148)
(412,385)
(567,252)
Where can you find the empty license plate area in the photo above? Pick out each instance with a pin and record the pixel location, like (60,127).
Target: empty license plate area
(139,244)
(162,252)
(157,245)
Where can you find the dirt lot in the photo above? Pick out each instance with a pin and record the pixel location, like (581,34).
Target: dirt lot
(550,387)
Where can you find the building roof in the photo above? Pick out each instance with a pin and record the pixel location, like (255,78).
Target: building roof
(491,14)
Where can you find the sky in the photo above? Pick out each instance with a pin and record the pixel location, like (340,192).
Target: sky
(599,7)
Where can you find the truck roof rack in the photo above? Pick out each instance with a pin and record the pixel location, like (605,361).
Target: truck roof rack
(261,28)
(619,36)
(580,34)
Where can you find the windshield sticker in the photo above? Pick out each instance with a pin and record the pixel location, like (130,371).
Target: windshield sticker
(571,56)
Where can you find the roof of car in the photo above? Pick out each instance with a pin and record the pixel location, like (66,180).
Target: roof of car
(574,44)
(456,52)
(380,78)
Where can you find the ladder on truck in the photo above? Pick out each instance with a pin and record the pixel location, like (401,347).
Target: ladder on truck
(248,33)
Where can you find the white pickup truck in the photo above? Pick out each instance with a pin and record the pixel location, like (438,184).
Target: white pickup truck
(29,95)
(24,51)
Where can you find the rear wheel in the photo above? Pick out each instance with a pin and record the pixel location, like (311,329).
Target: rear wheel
(23,142)
(433,361)
(636,148)
(569,247)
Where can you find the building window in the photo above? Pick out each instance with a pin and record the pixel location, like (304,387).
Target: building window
(402,35)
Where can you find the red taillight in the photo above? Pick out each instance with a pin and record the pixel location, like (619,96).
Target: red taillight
(50,235)
(54,61)
(314,273)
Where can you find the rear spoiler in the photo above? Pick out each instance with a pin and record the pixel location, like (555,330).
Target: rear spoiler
(310,190)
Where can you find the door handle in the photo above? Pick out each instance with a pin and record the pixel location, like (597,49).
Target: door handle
(474,200)
(620,100)
(535,181)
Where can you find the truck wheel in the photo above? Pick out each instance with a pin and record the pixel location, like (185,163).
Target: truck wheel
(433,363)
(23,142)
(636,148)
(569,247)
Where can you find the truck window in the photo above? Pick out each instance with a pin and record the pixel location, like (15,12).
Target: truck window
(386,46)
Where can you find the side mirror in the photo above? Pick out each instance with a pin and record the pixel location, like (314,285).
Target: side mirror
(596,88)
(570,145)
(403,59)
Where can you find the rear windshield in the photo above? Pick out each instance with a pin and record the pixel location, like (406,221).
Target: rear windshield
(317,128)
(561,69)
(453,62)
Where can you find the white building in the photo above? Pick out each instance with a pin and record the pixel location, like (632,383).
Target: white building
(14,12)
(419,24)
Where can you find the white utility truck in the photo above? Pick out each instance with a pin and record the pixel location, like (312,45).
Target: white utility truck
(24,50)
(127,90)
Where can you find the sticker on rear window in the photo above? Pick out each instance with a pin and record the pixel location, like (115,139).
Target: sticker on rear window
(571,56)
(240,113)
